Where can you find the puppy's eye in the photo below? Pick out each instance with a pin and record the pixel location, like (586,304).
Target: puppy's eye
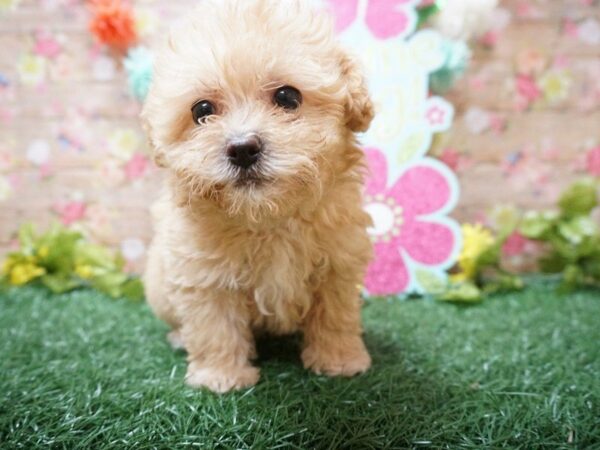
(201,110)
(287,97)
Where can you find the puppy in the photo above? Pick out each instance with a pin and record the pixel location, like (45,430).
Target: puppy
(253,112)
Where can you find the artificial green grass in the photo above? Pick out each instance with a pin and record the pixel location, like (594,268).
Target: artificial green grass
(79,371)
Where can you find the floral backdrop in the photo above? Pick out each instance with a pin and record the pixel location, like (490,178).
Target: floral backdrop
(526,123)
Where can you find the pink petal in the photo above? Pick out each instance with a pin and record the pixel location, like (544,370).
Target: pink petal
(377,177)
(427,243)
(387,274)
(344,12)
(421,190)
(385,18)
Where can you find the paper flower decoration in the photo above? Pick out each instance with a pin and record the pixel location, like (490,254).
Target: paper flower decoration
(409,228)
(113,24)
(384,18)
(138,65)
(408,196)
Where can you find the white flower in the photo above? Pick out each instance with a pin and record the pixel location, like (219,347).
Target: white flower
(104,68)
(132,249)
(589,32)
(477,120)
(38,152)
(465,19)
(5,189)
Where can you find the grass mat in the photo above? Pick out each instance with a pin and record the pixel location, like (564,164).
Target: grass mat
(79,371)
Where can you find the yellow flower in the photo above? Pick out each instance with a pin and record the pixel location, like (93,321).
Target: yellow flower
(84,271)
(7,265)
(23,273)
(43,251)
(476,240)
(146,21)
(8,5)
(555,85)
(123,143)
(32,69)
(504,217)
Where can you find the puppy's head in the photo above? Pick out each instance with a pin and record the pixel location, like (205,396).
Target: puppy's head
(253,105)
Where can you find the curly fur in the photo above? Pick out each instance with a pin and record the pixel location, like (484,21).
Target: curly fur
(287,251)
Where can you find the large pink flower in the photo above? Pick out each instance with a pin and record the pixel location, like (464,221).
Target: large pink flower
(401,224)
(385,18)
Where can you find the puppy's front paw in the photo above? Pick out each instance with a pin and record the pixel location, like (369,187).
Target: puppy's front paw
(221,380)
(334,359)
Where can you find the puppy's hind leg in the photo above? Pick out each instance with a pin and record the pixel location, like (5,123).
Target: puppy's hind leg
(157,298)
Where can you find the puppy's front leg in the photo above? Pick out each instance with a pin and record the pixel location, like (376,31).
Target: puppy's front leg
(218,338)
(333,343)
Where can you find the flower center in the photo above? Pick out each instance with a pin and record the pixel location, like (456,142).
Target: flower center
(387,219)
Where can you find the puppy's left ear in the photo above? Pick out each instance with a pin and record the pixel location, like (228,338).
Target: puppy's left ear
(359,107)
(157,155)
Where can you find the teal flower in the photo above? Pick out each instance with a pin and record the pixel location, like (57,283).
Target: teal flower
(455,64)
(138,65)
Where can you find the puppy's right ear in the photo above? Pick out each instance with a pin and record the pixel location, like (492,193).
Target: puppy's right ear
(158,155)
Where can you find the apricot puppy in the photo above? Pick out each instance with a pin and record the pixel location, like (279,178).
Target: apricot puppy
(252,112)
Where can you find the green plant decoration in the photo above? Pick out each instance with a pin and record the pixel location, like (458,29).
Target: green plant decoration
(62,260)
(479,271)
(571,236)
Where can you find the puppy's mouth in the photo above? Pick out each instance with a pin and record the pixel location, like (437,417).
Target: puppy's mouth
(252,177)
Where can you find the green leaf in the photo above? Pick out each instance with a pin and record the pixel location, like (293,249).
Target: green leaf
(553,263)
(59,283)
(110,283)
(504,283)
(465,292)
(572,277)
(27,238)
(426,12)
(133,289)
(96,256)
(537,225)
(579,199)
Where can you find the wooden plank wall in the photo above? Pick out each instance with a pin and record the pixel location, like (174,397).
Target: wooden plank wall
(71,146)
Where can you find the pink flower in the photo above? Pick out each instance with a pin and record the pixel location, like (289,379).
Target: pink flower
(490,38)
(46,45)
(515,244)
(593,161)
(385,18)
(136,167)
(70,212)
(402,228)
(527,88)
(451,158)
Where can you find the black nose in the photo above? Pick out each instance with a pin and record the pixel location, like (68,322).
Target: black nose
(244,153)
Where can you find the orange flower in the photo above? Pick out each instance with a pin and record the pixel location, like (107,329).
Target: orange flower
(113,23)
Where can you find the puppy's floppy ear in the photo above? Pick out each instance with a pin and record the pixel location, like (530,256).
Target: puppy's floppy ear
(157,154)
(359,107)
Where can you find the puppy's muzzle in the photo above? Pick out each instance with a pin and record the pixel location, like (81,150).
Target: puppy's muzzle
(245,152)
